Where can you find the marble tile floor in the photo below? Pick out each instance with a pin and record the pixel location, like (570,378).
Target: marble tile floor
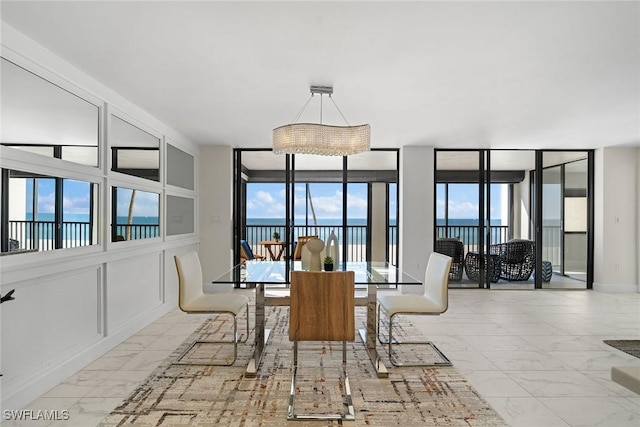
(536,356)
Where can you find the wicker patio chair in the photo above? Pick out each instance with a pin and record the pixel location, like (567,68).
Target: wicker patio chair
(517,258)
(455,249)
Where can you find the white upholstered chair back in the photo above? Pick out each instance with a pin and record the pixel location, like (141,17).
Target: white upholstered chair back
(189,278)
(436,280)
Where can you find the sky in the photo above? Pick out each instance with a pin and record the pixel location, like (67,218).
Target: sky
(463,201)
(76,199)
(268,201)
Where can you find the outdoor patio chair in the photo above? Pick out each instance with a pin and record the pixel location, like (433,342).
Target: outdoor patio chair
(455,249)
(247,254)
(192,299)
(517,259)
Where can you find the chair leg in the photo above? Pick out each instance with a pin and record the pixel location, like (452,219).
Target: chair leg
(390,341)
(235,342)
(348,401)
(246,337)
(380,340)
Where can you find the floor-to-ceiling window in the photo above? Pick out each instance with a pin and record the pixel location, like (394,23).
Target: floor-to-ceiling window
(565,218)
(353,197)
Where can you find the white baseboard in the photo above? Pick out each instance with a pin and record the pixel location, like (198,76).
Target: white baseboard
(615,288)
(19,392)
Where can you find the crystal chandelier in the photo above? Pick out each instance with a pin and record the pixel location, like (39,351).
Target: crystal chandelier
(318,138)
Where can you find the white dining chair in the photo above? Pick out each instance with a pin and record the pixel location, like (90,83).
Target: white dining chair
(434,301)
(192,299)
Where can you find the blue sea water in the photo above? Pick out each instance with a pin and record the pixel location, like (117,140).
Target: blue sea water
(80,232)
(297,222)
(259,229)
(262,228)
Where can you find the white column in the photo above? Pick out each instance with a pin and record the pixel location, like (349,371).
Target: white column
(616,220)
(215,198)
(638,219)
(416,226)
(379,230)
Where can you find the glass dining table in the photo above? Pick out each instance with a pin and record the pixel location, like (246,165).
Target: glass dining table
(270,279)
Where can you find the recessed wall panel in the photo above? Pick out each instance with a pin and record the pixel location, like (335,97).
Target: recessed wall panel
(180,168)
(49,319)
(180,214)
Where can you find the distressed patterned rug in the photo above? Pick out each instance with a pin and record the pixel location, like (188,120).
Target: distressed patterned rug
(631,347)
(198,395)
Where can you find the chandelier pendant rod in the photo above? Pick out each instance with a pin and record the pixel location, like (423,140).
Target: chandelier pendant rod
(339,110)
(304,107)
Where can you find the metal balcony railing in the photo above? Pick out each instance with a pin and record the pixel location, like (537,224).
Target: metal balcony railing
(41,236)
(468,234)
(356,238)
(138,231)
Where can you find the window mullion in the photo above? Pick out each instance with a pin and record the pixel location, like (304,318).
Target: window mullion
(58,213)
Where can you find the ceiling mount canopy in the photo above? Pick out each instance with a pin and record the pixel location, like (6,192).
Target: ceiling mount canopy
(318,138)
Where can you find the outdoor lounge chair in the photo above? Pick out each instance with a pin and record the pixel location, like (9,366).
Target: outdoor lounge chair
(517,259)
(455,249)
(246,253)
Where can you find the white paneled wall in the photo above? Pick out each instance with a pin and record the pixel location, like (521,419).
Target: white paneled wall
(73,305)
(50,319)
(133,287)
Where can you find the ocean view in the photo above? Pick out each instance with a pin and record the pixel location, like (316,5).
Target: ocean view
(358,222)
(75,228)
(259,229)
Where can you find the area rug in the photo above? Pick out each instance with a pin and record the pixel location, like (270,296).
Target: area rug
(631,347)
(198,395)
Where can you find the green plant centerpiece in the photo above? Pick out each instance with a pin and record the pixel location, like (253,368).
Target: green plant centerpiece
(276,236)
(328,263)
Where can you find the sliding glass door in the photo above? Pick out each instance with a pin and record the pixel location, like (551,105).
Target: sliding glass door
(487,200)
(565,220)
(293,196)
(461,215)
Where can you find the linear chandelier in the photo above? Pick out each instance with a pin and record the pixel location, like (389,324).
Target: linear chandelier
(318,138)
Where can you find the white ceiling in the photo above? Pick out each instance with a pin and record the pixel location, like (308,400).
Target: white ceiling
(449,74)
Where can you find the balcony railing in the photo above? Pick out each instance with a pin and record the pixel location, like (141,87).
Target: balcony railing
(138,231)
(40,235)
(468,234)
(356,238)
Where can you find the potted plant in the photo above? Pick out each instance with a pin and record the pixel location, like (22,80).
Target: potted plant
(328,263)
(276,236)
